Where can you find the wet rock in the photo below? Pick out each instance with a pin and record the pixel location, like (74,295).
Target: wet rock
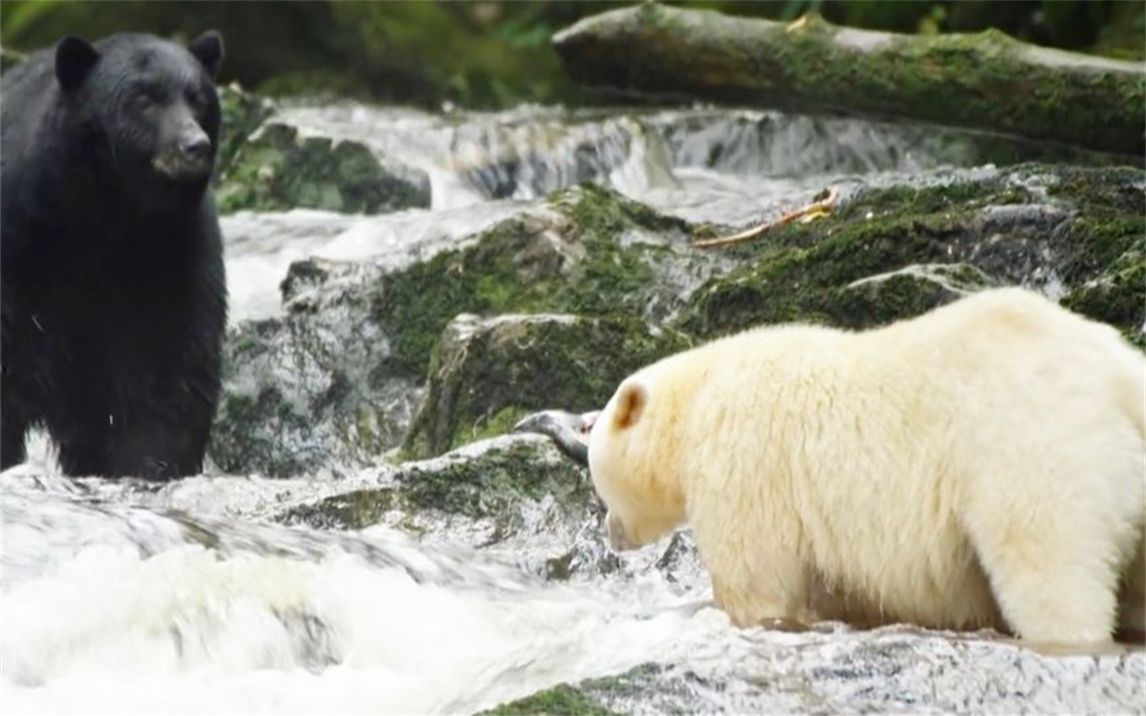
(1115,296)
(494,485)
(518,154)
(908,291)
(589,252)
(312,389)
(1053,229)
(485,374)
(518,498)
(279,168)
(835,670)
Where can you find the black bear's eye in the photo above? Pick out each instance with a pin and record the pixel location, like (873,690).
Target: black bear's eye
(196,100)
(145,99)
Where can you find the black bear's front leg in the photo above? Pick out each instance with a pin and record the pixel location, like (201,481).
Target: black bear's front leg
(158,448)
(81,443)
(13,420)
(162,432)
(12,430)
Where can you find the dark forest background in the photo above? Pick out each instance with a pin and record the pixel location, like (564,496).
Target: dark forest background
(495,53)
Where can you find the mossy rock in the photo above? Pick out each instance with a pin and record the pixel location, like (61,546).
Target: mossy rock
(647,687)
(563,700)
(1034,225)
(906,292)
(279,169)
(1118,295)
(485,374)
(594,254)
(488,479)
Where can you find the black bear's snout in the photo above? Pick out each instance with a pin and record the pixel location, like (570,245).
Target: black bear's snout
(188,152)
(196,146)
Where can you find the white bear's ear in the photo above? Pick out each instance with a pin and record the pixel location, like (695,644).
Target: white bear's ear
(632,397)
(208,49)
(74,60)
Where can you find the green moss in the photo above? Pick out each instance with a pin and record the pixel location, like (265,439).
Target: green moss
(563,700)
(491,484)
(518,365)
(485,278)
(802,272)
(590,696)
(280,170)
(897,297)
(806,272)
(1110,221)
(352,510)
(482,429)
(1117,189)
(1118,296)
(976,80)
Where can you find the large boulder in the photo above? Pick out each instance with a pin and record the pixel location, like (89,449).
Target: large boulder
(312,389)
(485,374)
(1075,234)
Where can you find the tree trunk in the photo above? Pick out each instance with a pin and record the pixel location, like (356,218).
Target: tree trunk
(985,81)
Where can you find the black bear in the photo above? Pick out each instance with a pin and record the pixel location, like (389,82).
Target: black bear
(112,292)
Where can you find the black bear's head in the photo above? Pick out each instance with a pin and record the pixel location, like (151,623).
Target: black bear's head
(148,106)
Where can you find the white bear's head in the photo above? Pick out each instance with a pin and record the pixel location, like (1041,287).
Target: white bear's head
(633,466)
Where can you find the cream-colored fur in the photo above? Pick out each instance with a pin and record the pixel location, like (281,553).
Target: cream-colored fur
(983,465)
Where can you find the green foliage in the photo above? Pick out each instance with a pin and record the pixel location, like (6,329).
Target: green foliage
(497,53)
(280,170)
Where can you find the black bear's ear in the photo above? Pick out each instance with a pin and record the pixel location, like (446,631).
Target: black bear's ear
(208,49)
(74,60)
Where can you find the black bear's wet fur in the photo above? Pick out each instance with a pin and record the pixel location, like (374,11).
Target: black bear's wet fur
(112,292)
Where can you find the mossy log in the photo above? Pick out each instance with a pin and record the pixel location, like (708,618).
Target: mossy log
(983,81)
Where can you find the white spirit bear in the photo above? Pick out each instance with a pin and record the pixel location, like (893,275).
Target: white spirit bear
(983,465)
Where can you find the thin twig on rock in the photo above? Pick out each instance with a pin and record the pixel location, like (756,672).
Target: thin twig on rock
(823,204)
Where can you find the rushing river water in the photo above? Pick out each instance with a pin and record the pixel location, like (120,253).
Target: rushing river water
(192,596)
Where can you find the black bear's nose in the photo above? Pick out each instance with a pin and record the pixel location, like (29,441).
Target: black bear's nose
(196,147)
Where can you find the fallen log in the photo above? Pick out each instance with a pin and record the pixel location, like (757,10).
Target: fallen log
(986,81)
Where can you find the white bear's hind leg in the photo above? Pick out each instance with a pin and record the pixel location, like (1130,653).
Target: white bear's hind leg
(757,603)
(1053,585)
(1132,597)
